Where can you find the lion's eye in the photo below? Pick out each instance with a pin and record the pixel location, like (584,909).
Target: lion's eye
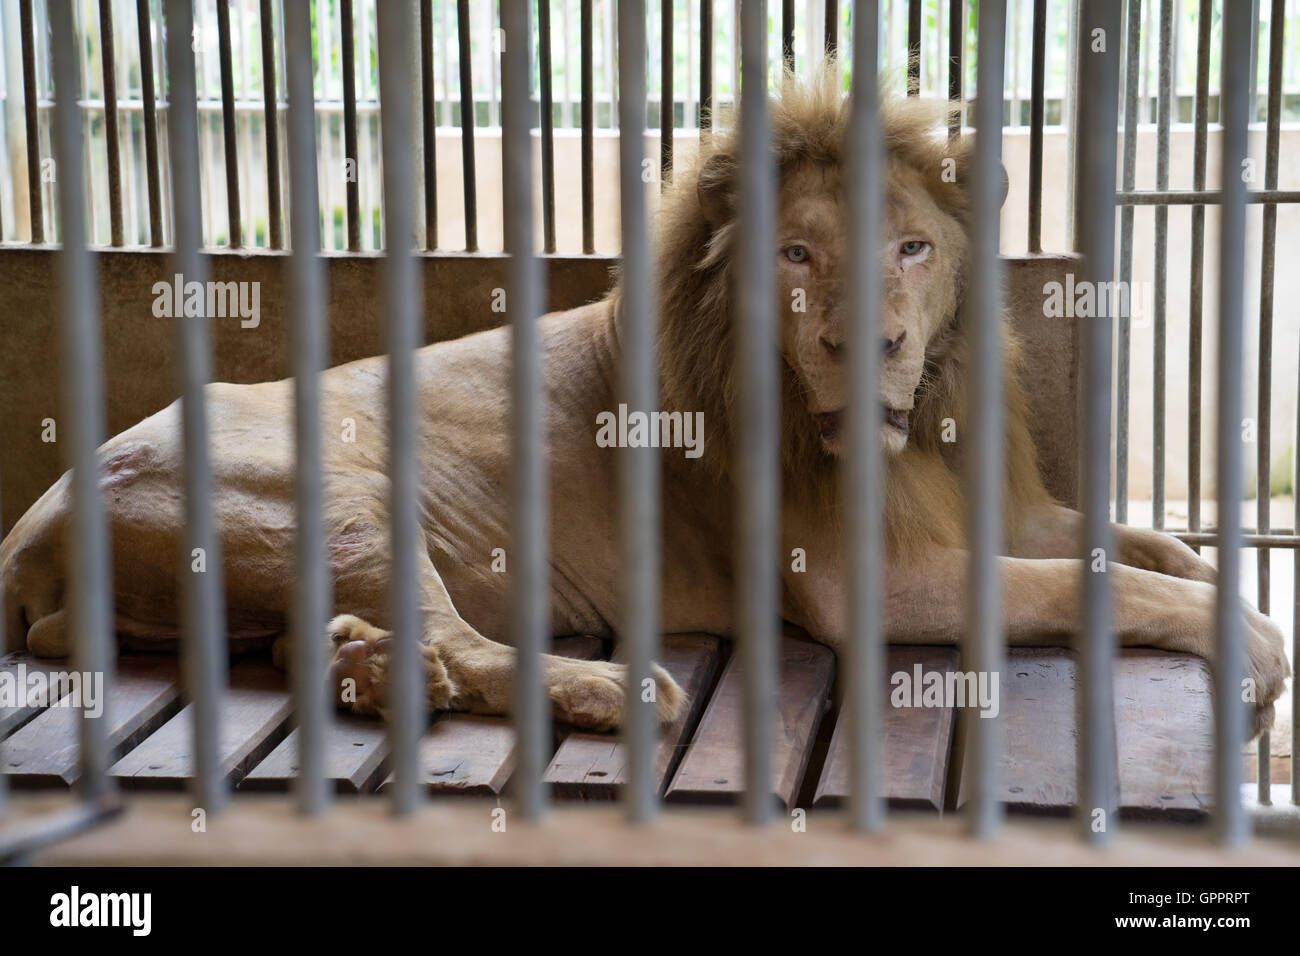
(913,247)
(796,254)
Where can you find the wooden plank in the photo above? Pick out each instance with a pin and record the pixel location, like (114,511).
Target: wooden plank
(1164,724)
(355,750)
(917,740)
(713,769)
(15,669)
(254,718)
(594,766)
(47,751)
(475,755)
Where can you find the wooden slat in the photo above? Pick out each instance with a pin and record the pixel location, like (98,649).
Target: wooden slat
(593,766)
(1164,725)
(355,750)
(18,665)
(473,754)
(713,769)
(254,718)
(916,744)
(46,752)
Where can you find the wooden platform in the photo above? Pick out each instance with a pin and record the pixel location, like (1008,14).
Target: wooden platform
(1163,715)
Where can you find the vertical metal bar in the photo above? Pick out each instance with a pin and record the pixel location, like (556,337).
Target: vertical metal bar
(956,48)
(639,479)
(468,177)
(548,126)
(1036,108)
(32,114)
(1073,45)
(759,479)
(402,307)
(665,91)
(787,33)
(529,518)
(108,61)
(82,381)
(1133,43)
(311,599)
(271,104)
(152,173)
(236,232)
(348,56)
(1272,150)
(1231,824)
(706,64)
(864,497)
(832,27)
(1196,298)
(202,585)
(588,134)
(1098,119)
(1164,106)
(429,122)
(985,467)
(913,48)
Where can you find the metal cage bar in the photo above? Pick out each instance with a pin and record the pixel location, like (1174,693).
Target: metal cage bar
(402,304)
(31,113)
(429,126)
(639,468)
(1036,109)
(864,497)
(347,55)
(108,62)
(588,134)
(787,33)
(913,48)
(90,609)
(548,126)
(1263,471)
(468,177)
(530,609)
(1196,293)
(832,29)
(758,483)
(235,237)
(1231,824)
(956,51)
(706,65)
(271,106)
(983,640)
(1123,371)
(1098,120)
(144,27)
(1164,97)
(203,590)
(312,585)
(665,88)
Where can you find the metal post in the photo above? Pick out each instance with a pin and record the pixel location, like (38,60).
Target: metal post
(864,497)
(468,177)
(236,232)
(271,107)
(108,59)
(956,51)
(984,465)
(706,65)
(347,55)
(639,479)
(429,126)
(666,96)
(202,584)
(548,127)
(144,29)
(759,479)
(1132,45)
(310,328)
(1164,104)
(90,618)
(402,307)
(1231,824)
(588,127)
(530,610)
(1196,298)
(1036,109)
(913,47)
(1095,219)
(31,106)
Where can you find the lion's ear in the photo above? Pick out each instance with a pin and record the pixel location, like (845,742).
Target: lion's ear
(716,189)
(965,158)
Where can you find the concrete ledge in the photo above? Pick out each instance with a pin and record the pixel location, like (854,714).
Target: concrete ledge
(156,830)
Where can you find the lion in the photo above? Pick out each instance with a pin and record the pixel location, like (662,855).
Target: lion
(1164,594)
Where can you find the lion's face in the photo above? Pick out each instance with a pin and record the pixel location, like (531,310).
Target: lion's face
(921,259)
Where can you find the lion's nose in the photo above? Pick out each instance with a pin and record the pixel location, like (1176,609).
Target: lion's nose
(890,346)
(832,344)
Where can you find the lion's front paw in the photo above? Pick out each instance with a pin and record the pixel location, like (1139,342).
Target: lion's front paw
(359,669)
(1266,667)
(592,694)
